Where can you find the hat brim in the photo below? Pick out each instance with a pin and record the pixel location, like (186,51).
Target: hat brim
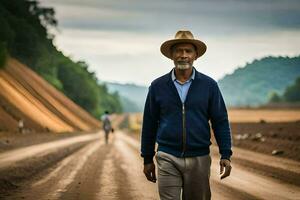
(165,48)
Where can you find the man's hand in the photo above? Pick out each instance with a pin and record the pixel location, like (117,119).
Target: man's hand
(224,163)
(149,171)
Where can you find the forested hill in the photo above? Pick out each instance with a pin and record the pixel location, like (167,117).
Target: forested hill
(24,35)
(252,84)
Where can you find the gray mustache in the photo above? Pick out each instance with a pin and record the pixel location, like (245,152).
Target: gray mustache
(182,63)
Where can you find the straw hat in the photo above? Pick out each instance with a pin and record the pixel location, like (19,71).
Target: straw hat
(182,36)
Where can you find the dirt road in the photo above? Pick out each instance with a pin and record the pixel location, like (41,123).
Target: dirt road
(114,171)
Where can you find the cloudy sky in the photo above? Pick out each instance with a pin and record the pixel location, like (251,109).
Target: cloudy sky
(120,39)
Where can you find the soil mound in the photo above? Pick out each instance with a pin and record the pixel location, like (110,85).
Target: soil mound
(24,95)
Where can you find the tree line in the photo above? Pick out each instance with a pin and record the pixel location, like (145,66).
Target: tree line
(290,95)
(24,35)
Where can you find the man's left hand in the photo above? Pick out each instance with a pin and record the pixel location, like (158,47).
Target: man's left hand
(225,164)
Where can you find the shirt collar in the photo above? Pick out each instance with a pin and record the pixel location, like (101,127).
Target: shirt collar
(191,78)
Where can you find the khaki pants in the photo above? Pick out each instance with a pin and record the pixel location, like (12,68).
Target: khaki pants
(183,178)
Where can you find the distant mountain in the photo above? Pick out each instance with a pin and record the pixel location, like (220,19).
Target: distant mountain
(132,96)
(252,85)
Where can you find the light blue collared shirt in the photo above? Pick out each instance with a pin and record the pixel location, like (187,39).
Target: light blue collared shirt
(182,88)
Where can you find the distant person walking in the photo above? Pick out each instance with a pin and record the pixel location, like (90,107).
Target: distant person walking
(21,126)
(106,124)
(178,109)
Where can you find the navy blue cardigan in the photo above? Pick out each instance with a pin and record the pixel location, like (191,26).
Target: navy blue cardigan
(182,129)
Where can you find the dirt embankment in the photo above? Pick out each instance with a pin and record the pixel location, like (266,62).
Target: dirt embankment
(278,139)
(24,95)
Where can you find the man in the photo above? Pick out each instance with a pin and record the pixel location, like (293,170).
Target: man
(106,124)
(178,109)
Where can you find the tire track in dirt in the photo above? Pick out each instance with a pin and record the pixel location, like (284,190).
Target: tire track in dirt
(113,181)
(40,150)
(103,177)
(87,182)
(53,182)
(281,169)
(132,166)
(260,187)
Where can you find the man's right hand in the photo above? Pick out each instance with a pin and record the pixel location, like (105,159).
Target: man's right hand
(149,171)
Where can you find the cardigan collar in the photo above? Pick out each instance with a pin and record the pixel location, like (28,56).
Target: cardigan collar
(191,78)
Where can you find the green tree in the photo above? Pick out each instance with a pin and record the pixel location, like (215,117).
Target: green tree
(292,93)
(274,97)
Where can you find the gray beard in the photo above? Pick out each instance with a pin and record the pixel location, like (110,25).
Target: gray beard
(183,66)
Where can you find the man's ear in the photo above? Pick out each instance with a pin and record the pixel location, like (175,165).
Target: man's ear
(196,56)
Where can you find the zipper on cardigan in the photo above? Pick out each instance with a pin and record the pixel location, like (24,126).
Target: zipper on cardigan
(183,131)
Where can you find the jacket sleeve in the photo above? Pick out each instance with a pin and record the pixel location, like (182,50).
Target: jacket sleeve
(150,125)
(219,120)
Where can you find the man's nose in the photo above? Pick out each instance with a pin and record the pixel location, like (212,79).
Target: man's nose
(183,54)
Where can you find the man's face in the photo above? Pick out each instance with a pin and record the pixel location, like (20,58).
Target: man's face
(184,55)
